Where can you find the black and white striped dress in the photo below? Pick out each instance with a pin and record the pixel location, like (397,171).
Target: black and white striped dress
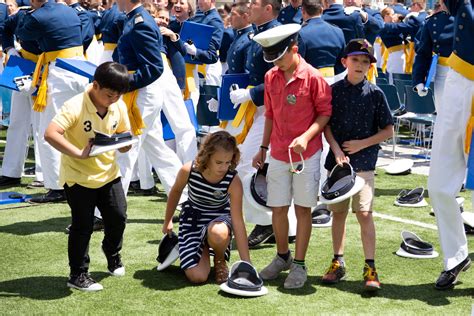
(207,202)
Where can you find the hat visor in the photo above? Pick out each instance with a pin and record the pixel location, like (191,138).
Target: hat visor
(402,253)
(246,183)
(224,287)
(468,218)
(271,57)
(97,150)
(422,203)
(399,166)
(323,225)
(372,58)
(358,185)
(172,257)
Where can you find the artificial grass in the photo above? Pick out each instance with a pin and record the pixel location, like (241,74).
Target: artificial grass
(33,268)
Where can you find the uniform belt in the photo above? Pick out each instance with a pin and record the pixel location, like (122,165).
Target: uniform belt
(134,115)
(165,59)
(43,60)
(27,55)
(327,71)
(395,48)
(443,61)
(110,46)
(387,51)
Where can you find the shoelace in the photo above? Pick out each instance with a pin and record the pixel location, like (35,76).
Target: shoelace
(370,274)
(334,266)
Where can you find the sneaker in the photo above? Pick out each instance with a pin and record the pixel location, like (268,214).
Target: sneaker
(260,234)
(371,278)
(51,197)
(277,265)
(9,181)
(134,186)
(114,265)
(84,282)
(271,240)
(35,184)
(296,278)
(335,273)
(449,278)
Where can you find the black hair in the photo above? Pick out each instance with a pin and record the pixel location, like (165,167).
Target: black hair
(113,76)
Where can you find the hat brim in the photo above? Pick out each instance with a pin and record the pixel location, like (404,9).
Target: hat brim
(246,182)
(402,253)
(422,203)
(400,166)
(97,150)
(224,287)
(271,57)
(468,218)
(372,58)
(358,185)
(172,257)
(325,225)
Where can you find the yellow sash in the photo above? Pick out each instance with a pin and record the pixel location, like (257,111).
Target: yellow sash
(110,46)
(469,128)
(190,83)
(372,74)
(27,55)
(327,71)
(386,53)
(245,113)
(409,58)
(443,61)
(134,115)
(43,62)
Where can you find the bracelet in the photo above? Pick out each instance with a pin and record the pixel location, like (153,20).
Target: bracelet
(264,147)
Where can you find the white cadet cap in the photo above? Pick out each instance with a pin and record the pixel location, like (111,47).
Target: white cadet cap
(275,41)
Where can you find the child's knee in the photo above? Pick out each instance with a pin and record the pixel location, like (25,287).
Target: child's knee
(197,277)
(218,232)
(364,217)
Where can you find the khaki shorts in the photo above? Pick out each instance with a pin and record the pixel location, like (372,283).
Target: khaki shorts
(362,201)
(284,186)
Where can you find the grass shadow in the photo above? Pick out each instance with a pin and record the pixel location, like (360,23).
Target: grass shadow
(34,288)
(172,278)
(57,224)
(144,221)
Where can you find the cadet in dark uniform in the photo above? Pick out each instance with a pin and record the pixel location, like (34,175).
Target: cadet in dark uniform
(291,13)
(111,26)
(238,51)
(351,24)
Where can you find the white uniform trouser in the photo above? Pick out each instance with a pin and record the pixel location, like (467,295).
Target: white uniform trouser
(35,119)
(165,162)
(17,135)
(94,52)
(62,85)
(448,166)
(106,56)
(178,117)
(213,78)
(439,81)
(378,54)
(248,149)
(395,64)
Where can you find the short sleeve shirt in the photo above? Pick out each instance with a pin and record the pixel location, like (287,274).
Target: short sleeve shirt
(358,112)
(79,119)
(293,107)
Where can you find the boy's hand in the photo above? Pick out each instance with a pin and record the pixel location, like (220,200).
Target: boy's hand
(86,151)
(340,157)
(124,149)
(299,144)
(259,159)
(167,228)
(353,146)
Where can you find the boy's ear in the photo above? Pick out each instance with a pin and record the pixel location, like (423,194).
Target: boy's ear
(344,62)
(95,85)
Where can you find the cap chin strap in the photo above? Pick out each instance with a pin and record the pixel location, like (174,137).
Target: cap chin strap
(279,56)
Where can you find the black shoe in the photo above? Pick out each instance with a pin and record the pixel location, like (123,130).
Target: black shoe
(271,240)
(149,192)
(9,181)
(114,265)
(51,197)
(448,279)
(98,224)
(29,171)
(134,186)
(83,282)
(260,234)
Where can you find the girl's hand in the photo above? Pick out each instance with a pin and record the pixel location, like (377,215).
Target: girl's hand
(167,228)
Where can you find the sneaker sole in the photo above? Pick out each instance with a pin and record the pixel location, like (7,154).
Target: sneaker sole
(335,281)
(449,287)
(70,285)
(261,242)
(372,288)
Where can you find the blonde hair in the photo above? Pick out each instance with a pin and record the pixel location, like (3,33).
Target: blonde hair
(212,143)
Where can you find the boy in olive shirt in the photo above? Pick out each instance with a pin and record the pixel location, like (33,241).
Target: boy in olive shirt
(91,182)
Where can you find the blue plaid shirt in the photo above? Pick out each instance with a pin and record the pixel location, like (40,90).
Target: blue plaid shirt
(358,112)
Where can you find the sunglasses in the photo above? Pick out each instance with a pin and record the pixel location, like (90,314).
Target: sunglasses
(300,167)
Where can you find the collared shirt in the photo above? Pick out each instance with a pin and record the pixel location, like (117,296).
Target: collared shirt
(293,107)
(358,112)
(79,119)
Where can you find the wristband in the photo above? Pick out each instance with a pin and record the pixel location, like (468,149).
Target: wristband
(264,147)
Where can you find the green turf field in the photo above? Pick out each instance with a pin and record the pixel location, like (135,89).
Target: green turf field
(33,267)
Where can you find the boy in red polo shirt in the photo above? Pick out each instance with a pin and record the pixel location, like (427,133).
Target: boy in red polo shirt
(298,106)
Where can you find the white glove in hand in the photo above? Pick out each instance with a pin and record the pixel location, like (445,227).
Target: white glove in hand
(190,49)
(239,96)
(420,88)
(212,105)
(25,88)
(13,52)
(350,10)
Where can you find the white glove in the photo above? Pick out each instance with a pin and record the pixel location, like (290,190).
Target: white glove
(190,49)
(420,88)
(13,52)
(25,88)
(350,10)
(239,96)
(212,105)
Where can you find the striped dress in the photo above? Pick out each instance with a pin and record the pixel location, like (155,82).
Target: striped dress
(207,202)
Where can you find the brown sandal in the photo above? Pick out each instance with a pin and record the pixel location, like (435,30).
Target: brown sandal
(221,271)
